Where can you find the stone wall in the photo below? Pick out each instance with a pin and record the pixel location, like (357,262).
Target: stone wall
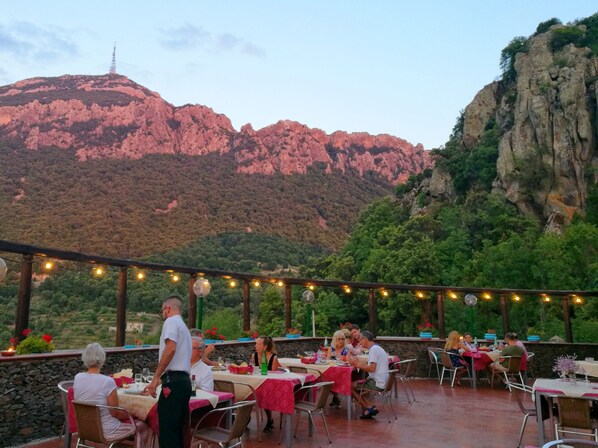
(30,402)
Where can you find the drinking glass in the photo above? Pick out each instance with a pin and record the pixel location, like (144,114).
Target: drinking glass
(220,361)
(145,374)
(138,378)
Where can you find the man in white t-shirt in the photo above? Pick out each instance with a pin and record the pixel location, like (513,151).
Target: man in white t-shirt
(200,372)
(173,370)
(377,367)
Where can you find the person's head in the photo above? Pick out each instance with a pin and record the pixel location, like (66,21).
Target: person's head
(347,334)
(172,306)
(355,332)
(467,336)
(93,356)
(510,338)
(198,348)
(367,339)
(265,343)
(196,332)
(453,340)
(338,340)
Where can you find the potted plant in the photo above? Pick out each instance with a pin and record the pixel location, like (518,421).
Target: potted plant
(34,344)
(251,335)
(566,367)
(293,333)
(533,335)
(212,336)
(490,334)
(426,330)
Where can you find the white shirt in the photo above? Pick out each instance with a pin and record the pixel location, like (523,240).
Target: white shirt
(204,379)
(95,388)
(380,357)
(175,329)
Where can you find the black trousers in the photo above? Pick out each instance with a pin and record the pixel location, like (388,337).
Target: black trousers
(173,409)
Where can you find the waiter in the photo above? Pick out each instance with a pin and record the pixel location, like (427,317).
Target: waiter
(173,370)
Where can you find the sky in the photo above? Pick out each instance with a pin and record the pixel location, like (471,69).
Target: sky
(382,67)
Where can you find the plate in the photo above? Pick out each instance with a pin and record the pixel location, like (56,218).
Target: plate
(133,389)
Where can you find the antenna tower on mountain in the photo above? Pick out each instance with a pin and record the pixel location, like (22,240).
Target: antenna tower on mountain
(113,65)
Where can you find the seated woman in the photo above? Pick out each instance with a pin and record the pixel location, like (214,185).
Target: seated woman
(264,346)
(93,387)
(452,346)
(338,350)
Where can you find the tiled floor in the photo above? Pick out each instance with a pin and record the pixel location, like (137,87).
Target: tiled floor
(441,417)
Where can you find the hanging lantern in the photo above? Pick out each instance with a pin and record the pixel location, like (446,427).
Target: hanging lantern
(202,287)
(470,300)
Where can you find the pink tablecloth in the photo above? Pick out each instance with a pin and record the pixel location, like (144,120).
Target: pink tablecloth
(278,394)
(481,360)
(341,376)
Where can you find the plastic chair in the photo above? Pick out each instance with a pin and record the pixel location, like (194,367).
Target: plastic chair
(574,414)
(89,425)
(404,376)
(447,366)
(320,391)
(226,438)
(229,386)
(385,394)
(63,390)
(434,356)
(512,371)
(569,443)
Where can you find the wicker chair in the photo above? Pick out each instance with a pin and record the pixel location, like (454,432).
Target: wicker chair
(574,418)
(226,438)
(89,425)
(63,390)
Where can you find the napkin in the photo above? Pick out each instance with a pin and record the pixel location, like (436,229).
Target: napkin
(205,395)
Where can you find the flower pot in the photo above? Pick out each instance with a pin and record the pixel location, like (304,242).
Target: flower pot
(293,335)
(533,338)
(211,341)
(425,334)
(8,353)
(245,339)
(490,336)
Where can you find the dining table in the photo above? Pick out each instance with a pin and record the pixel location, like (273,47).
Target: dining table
(587,367)
(274,391)
(550,388)
(479,360)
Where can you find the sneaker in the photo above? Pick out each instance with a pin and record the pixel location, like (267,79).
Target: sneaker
(373,411)
(366,416)
(269,426)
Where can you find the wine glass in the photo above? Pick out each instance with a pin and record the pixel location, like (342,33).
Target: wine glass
(145,374)
(220,362)
(138,379)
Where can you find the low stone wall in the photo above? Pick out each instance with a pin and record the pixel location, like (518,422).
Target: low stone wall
(30,402)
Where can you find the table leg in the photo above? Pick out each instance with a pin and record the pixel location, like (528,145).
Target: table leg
(538,398)
(288,432)
(349,407)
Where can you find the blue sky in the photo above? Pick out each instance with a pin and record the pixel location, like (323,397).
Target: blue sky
(395,67)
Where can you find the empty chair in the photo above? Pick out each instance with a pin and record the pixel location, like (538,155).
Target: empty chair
(574,418)
(435,361)
(238,413)
(523,394)
(385,394)
(530,366)
(301,369)
(304,403)
(447,366)
(63,390)
(405,368)
(513,363)
(89,425)
(230,387)
(578,443)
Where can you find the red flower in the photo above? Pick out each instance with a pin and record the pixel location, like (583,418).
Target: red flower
(13,341)
(26,332)
(222,337)
(47,338)
(213,328)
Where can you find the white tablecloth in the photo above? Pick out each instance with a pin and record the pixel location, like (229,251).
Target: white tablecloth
(589,368)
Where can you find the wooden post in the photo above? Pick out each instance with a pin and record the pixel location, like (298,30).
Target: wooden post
(567,320)
(246,307)
(22,321)
(192,318)
(121,307)
(373,315)
(288,311)
(504,311)
(440,306)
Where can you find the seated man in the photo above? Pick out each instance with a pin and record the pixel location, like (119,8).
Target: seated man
(512,349)
(199,370)
(376,366)
(209,348)
(467,341)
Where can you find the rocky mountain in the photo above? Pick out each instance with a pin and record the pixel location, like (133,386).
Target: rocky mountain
(111,116)
(545,111)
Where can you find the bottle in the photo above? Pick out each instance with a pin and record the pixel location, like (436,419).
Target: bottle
(495,343)
(326,342)
(475,342)
(264,365)
(193,386)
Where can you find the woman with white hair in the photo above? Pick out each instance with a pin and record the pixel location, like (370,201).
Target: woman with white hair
(93,387)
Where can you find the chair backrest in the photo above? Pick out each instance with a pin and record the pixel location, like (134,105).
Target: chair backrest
(390,382)
(89,422)
(446,360)
(242,413)
(63,390)
(297,369)
(514,363)
(574,412)
(408,364)
(322,391)
(530,355)
(224,386)
(434,355)
(570,442)
(521,391)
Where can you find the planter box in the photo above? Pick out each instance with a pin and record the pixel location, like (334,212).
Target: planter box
(212,341)
(293,336)
(533,338)
(245,339)
(425,335)
(490,336)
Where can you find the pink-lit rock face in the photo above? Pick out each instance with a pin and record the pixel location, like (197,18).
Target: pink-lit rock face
(111,116)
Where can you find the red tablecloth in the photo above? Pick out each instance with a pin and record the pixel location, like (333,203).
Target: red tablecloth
(480,359)
(341,376)
(278,394)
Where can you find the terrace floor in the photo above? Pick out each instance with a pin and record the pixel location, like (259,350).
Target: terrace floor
(442,416)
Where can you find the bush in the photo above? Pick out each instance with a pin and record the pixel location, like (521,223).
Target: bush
(35,344)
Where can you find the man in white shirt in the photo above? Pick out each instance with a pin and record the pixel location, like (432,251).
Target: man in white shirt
(173,370)
(376,366)
(200,372)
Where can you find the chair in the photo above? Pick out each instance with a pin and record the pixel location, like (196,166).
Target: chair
(512,371)
(301,369)
(63,390)
(522,391)
(404,376)
(434,355)
(89,425)
(569,443)
(574,414)
(226,438)
(530,366)
(320,391)
(447,366)
(385,394)
(229,386)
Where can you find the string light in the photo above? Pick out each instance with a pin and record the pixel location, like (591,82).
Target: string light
(420,294)
(487,296)
(140,275)
(453,295)
(384,293)
(576,299)
(280,283)
(232,284)
(545,298)
(256,283)
(311,287)
(516,298)
(48,265)
(347,290)
(98,271)
(174,278)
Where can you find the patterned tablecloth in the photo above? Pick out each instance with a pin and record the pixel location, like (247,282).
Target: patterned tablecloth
(331,371)
(482,359)
(589,368)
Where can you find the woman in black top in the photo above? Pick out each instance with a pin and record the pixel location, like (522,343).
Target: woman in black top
(265,345)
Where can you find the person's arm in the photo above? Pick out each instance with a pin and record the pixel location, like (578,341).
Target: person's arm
(167,355)
(464,347)
(362,365)
(112,400)
(275,363)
